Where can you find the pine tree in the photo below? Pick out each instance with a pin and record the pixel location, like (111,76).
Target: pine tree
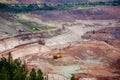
(27,77)
(33,74)
(39,75)
(14,70)
(73,77)
(10,59)
(3,75)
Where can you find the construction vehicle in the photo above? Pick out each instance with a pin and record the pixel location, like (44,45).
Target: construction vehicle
(57,55)
(41,42)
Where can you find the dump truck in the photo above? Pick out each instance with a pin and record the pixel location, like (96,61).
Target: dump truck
(57,55)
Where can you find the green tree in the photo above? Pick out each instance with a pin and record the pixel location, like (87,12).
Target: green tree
(3,75)
(10,59)
(39,75)
(33,74)
(16,70)
(28,77)
(73,77)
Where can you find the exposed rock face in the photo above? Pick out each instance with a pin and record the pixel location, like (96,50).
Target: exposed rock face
(114,31)
(110,35)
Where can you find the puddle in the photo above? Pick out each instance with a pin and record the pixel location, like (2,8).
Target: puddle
(68,70)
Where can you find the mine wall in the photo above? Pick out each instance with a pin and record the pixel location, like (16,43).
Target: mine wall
(28,37)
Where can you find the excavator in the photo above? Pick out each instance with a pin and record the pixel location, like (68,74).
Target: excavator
(41,42)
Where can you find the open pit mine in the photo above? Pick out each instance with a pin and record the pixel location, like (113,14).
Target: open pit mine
(81,42)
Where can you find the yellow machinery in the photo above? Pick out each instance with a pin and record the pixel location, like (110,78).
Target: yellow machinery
(57,55)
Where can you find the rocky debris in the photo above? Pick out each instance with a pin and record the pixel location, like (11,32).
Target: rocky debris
(109,32)
(110,35)
(114,31)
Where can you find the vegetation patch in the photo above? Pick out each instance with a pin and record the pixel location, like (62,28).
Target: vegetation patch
(30,26)
(46,27)
(23,8)
(33,27)
(14,70)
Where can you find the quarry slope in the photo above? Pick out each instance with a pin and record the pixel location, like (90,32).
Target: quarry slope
(88,40)
(96,13)
(86,59)
(39,19)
